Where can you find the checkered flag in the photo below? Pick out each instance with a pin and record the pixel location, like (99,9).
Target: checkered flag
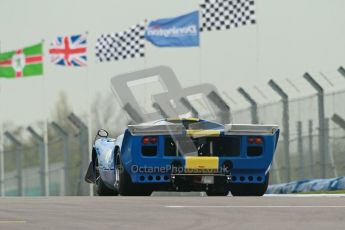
(121,45)
(226,14)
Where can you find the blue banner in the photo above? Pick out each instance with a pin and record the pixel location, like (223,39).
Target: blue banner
(179,31)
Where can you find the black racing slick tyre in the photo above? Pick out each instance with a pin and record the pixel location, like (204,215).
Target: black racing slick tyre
(217,192)
(250,189)
(124,183)
(220,188)
(103,190)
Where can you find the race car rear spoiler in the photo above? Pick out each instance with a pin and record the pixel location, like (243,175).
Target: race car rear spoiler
(179,129)
(166,129)
(249,129)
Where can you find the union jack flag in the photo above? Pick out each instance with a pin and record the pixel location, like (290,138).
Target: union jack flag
(69,50)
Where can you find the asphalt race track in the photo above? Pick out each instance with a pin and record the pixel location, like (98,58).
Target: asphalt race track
(173,212)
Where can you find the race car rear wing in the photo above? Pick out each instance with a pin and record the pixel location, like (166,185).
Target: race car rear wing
(178,129)
(166,129)
(249,129)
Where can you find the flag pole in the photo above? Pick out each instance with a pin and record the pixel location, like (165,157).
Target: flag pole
(45,129)
(145,58)
(257,40)
(200,63)
(200,53)
(89,111)
(145,44)
(2,158)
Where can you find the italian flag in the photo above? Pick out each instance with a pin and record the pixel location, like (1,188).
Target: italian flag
(22,62)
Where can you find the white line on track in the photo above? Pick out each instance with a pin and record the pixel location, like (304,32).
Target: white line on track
(304,195)
(12,222)
(253,206)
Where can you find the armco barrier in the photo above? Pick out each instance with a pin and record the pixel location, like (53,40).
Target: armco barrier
(307,186)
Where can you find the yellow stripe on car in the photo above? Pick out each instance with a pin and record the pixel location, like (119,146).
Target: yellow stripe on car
(203,132)
(201,164)
(183,119)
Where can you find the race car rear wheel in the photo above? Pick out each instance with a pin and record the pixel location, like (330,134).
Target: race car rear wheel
(101,188)
(217,192)
(250,189)
(124,182)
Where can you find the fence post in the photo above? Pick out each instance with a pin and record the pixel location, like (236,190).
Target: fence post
(300,150)
(310,143)
(254,106)
(225,113)
(321,114)
(64,135)
(329,150)
(44,167)
(286,125)
(339,120)
(85,189)
(275,168)
(341,70)
(19,167)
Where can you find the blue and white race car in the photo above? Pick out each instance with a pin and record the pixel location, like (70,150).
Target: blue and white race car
(187,154)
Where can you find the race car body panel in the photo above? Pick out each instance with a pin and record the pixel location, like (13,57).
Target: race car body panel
(187,154)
